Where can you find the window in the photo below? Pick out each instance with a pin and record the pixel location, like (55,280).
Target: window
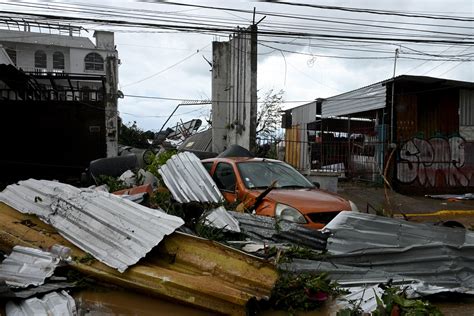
(58,60)
(94,61)
(208,166)
(12,54)
(224,177)
(40,59)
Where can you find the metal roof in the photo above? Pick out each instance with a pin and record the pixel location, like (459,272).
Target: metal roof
(201,141)
(27,266)
(353,231)
(115,231)
(361,100)
(221,218)
(366,249)
(264,229)
(188,180)
(50,286)
(51,304)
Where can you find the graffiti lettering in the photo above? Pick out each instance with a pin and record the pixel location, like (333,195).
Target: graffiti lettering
(435,162)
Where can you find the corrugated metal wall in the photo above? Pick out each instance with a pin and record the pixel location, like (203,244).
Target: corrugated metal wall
(466,107)
(364,99)
(297,137)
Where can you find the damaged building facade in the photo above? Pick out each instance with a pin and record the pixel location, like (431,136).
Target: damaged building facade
(415,131)
(58,92)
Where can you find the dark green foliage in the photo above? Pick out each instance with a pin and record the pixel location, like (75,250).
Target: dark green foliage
(395,299)
(114,184)
(132,135)
(303,292)
(300,252)
(160,160)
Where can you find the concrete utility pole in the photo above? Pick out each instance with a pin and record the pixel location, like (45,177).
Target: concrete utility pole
(111,113)
(234,90)
(392,120)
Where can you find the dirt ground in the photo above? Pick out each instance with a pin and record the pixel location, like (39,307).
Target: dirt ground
(376,199)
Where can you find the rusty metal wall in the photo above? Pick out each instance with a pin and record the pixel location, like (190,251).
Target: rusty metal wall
(466,107)
(435,165)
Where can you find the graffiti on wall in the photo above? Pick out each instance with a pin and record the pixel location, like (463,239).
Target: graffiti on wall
(434,162)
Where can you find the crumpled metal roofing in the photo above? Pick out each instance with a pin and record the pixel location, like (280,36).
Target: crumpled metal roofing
(222,219)
(27,266)
(188,180)
(115,231)
(366,249)
(51,304)
(50,286)
(353,231)
(265,229)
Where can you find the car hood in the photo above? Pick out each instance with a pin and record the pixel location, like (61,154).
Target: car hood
(309,200)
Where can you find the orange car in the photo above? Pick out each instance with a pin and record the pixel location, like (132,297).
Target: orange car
(291,198)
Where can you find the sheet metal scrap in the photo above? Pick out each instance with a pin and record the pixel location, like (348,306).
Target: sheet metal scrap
(265,229)
(51,304)
(188,180)
(183,268)
(27,266)
(365,250)
(115,231)
(353,231)
(222,219)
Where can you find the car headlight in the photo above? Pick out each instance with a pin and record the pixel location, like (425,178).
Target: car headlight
(354,207)
(289,213)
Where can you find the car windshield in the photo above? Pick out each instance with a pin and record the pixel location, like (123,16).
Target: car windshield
(261,174)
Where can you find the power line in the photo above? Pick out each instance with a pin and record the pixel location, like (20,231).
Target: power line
(379,12)
(167,68)
(220,29)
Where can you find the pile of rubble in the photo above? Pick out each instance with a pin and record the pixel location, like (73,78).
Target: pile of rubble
(127,239)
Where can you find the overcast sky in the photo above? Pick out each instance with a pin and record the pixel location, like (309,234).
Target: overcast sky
(172,65)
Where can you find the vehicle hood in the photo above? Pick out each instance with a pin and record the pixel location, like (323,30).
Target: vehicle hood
(308,200)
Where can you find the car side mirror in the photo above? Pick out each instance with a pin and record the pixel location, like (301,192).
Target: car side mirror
(317,185)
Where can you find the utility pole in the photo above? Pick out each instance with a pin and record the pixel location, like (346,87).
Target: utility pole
(393,97)
(111,93)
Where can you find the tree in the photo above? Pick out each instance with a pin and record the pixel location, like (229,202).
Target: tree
(269,114)
(131,135)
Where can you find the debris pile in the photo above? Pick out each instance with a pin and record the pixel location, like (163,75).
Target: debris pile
(169,232)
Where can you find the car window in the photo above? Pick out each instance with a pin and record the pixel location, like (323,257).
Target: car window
(208,166)
(224,177)
(261,174)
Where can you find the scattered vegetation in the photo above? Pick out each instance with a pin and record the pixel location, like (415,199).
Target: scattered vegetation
(160,160)
(113,183)
(300,252)
(394,301)
(85,259)
(303,292)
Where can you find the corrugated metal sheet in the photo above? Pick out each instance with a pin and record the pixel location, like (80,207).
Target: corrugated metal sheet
(222,219)
(264,229)
(369,249)
(52,304)
(364,99)
(367,231)
(303,114)
(7,292)
(200,142)
(466,107)
(188,180)
(27,266)
(115,231)
(183,268)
